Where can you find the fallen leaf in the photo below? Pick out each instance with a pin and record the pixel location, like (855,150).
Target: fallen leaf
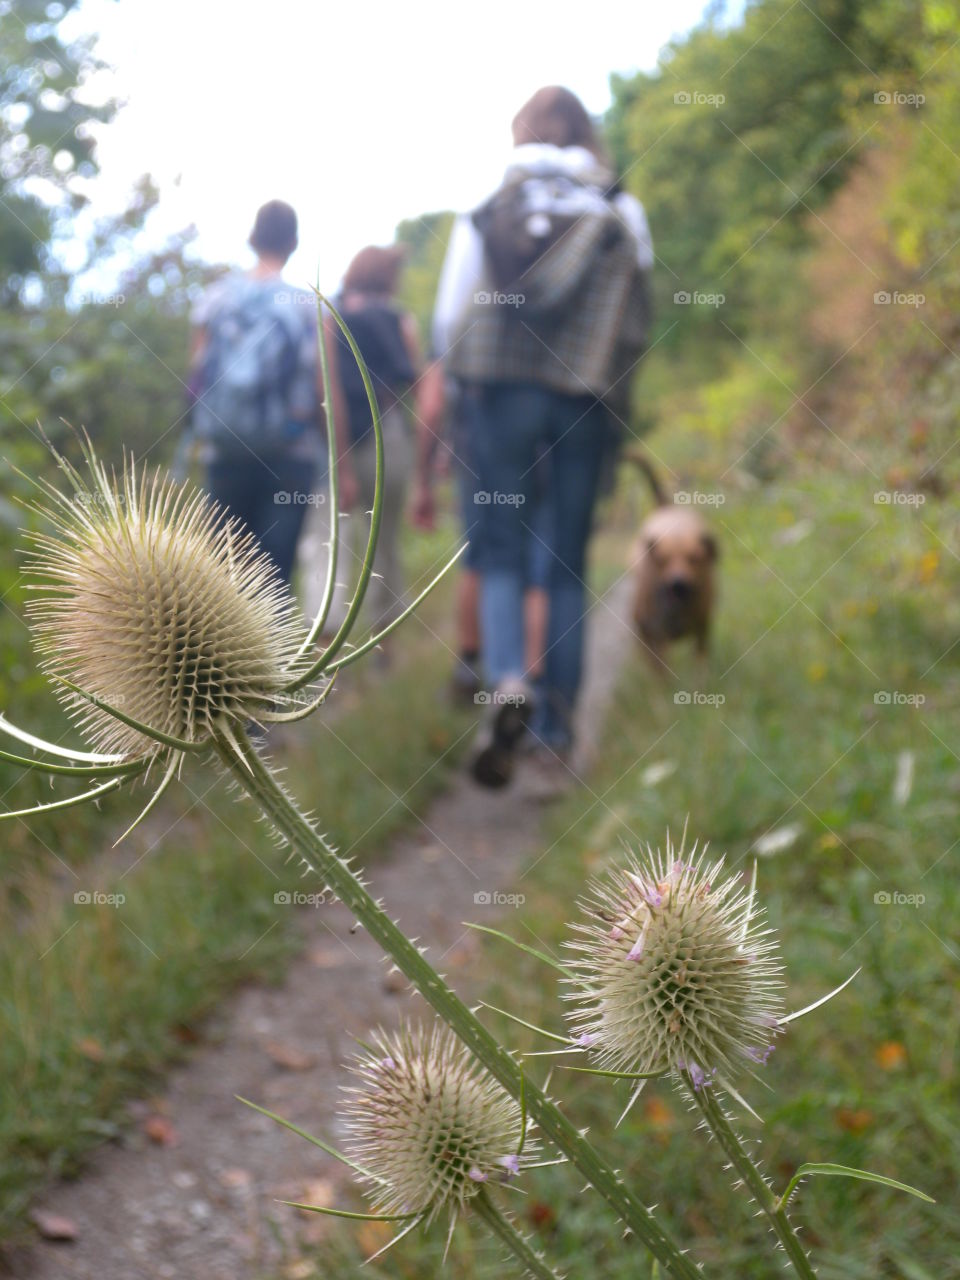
(853,1120)
(327,957)
(372,1236)
(890,1055)
(658,1113)
(289,1056)
(302,1269)
(90,1048)
(161,1131)
(52,1226)
(540,1214)
(318,1191)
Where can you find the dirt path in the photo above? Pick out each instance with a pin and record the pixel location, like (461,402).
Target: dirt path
(203,1207)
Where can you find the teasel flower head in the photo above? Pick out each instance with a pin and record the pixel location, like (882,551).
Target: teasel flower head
(153,603)
(674,970)
(429,1125)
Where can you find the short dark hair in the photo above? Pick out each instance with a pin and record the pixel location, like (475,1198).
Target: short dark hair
(274,229)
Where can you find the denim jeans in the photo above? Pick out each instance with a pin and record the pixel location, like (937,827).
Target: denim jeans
(511,425)
(270,496)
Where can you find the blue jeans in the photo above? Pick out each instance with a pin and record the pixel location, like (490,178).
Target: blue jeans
(511,425)
(270,496)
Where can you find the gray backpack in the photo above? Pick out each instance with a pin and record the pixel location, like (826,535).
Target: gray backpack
(250,362)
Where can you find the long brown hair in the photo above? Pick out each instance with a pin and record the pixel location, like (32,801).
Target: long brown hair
(375,269)
(557,116)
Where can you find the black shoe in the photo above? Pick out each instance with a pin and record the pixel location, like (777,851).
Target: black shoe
(496,745)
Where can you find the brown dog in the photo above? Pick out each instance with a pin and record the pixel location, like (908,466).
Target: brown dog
(674,558)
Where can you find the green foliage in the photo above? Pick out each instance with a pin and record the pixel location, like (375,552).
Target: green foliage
(426,241)
(45,143)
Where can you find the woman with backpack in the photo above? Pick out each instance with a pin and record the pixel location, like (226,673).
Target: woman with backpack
(541,315)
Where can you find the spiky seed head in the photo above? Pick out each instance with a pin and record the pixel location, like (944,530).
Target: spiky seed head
(429,1124)
(149,599)
(674,969)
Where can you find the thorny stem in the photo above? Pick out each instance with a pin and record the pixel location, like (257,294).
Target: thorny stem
(718,1124)
(256,779)
(508,1234)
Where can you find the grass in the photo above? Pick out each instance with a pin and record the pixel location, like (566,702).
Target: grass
(97,999)
(830,603)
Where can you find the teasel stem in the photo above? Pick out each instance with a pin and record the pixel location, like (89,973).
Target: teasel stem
(507,1234)
(716,1120)
(252,775)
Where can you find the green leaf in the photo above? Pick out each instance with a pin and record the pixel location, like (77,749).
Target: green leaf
(521,946)
(842,1171)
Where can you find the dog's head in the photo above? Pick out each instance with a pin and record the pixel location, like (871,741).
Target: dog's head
(681,550)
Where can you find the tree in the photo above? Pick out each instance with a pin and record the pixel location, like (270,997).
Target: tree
(45,140)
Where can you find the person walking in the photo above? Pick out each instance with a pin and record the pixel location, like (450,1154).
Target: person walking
(542,312)
(255,416)
(386,337)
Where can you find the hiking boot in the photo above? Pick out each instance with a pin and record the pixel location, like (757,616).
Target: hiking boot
(495,749)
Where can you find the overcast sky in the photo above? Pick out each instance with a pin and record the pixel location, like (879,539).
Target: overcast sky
(359,114)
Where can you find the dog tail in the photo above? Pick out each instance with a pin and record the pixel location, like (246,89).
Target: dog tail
(641,459)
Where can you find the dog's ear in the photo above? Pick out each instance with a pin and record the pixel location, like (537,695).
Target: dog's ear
(710,546)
